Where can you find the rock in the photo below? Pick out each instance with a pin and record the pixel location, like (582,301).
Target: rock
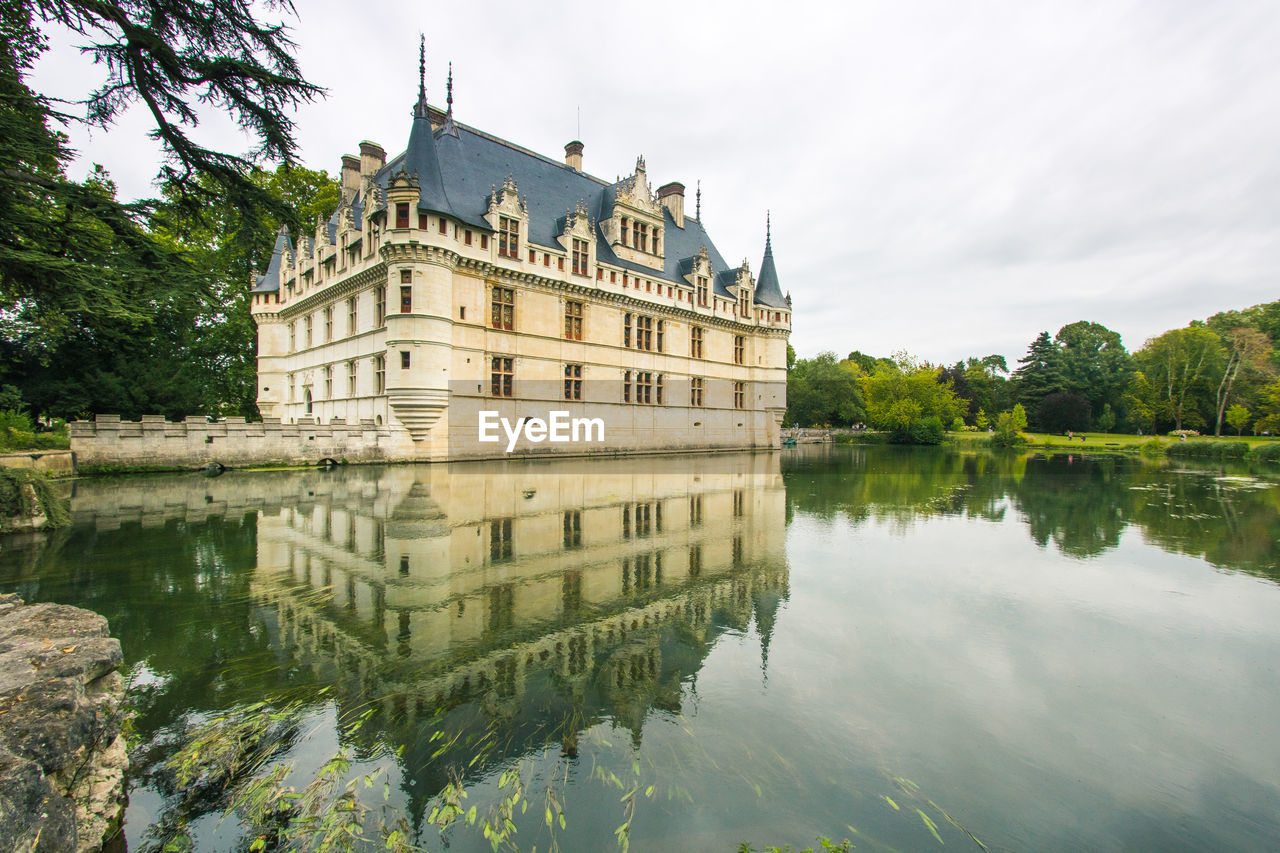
(62,755)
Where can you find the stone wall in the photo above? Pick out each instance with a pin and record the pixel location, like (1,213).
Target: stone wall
(109,443)
(55,462)
(62,754)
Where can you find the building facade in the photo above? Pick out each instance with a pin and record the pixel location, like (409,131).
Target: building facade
(468,275)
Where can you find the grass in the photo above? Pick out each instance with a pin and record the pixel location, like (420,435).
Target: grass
(1124,443)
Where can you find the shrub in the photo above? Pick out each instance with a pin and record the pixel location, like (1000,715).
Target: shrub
(1153,449)
(927,431)
(1208,449)
(1267,452)
(15,500)
(1009,427)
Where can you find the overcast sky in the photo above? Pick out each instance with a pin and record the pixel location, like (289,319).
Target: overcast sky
(945,178)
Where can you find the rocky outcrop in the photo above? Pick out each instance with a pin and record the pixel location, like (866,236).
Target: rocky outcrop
(62,755)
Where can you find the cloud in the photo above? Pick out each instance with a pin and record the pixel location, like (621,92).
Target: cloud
(945,178)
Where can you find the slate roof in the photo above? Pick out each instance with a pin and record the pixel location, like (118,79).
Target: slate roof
(768,292)
(458,167)
(270,281)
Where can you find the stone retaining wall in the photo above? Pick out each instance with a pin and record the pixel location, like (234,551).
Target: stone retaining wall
(153,442)
(56,462)
(62,754)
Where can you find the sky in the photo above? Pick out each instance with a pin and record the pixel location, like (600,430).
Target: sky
(946,179)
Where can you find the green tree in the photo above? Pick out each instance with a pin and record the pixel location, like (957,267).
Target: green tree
(168,56)
(1178,364)
(907,400)
(1247,350)
(823,390)
(1094,364)
(1009,427)
(1040,373)
(1238,417)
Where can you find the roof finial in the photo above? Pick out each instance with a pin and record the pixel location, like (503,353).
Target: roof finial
(449,99)
(420,108)
(768,230)
(697,211)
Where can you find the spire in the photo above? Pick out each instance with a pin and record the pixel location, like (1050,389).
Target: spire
(768,291)
(420,108)
(449,127)
(420,155)
(697,211)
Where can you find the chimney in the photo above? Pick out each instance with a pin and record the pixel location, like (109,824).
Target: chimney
(350,176)
(672,198)
(573,155)
(372,157)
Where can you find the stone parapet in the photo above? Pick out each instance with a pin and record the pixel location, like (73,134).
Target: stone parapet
(108,443)
(62,754)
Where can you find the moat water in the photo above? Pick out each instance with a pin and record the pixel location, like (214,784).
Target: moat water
(914,649)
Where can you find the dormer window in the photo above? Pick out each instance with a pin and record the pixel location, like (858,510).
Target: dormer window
(701,290)
(509,237)
(402,214)
(579,256)
(744,303)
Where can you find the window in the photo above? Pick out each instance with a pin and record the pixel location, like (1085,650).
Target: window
(560,264)
(579,256)
(695,341)
(508,237)
(351,378)
(533,256)
(306,327)
(504,308)
(484,241)
(351,316)
(402,214)
(406,291)
(573,321)
(626,330)
(293,328)
(744,303)
(502,372)
(701,290)
(422,221)
(626,386)
(328,381)
(644,387)
(500,549)
(695,510)
(404,359)
(695,391)
(466,236)
(328,323)
(661,327)
(644,333)
(380,306)
(379,374)
(573,381)
(624,230)
(739,502)
(444,226)
(739,395)
(289,389)
(739,349)
(640,236)
(657,390)
(573,537)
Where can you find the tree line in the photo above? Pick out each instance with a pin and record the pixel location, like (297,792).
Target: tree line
(140,307)
(1215,376)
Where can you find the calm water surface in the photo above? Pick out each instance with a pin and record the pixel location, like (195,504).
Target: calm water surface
(922,648)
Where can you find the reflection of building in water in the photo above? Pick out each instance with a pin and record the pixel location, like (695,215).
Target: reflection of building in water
(596,586)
